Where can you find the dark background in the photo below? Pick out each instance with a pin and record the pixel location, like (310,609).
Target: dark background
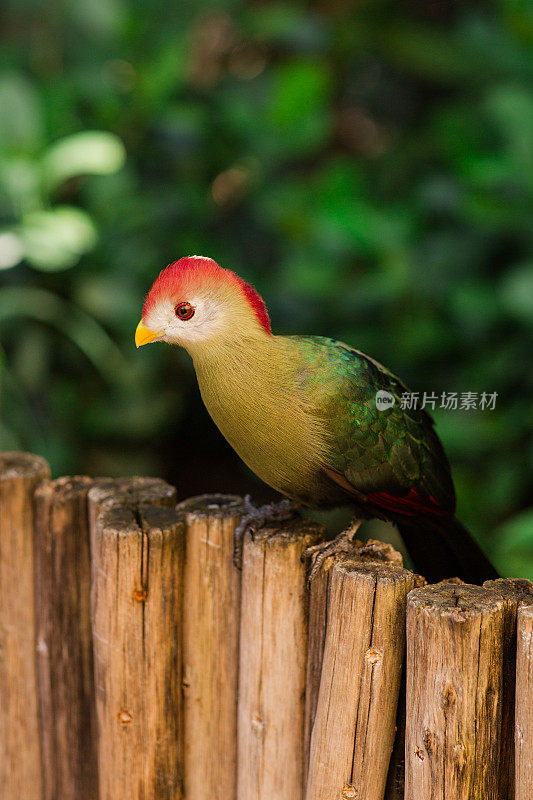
(368,166)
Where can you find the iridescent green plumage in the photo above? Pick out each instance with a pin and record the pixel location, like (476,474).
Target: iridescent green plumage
(394,449)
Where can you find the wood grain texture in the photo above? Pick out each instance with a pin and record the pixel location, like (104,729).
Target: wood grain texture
(273,660)
(20,752)
(64,640)
(130,492)
(354,722)
(518,592)
(318,605)
(395,788)
(524,705)
(137,610)
(456,641)
(211,647)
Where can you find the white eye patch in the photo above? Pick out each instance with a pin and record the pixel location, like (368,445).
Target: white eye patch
(209,317)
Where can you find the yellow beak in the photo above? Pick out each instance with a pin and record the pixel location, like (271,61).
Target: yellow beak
(144,335)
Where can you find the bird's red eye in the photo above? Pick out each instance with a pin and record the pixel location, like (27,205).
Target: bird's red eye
(184,310)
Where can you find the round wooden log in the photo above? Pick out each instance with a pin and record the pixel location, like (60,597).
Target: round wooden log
(137,610)
(524,705)
(354,722)
(64,640)
(20,752)
(518,592)
(211,647)
(131,492)
(456,640)
(273,658)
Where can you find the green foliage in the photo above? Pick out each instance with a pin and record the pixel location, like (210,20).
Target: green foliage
(370,170)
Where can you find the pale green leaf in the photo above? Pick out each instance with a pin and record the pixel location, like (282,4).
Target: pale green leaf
(517,292)
(20,114)
(85,153)
(55,240)
(11,250)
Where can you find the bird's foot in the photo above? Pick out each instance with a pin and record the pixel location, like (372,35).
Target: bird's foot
(256,518)
(347,544)
(343,543)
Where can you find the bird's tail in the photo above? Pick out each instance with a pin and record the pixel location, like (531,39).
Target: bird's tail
(443,548)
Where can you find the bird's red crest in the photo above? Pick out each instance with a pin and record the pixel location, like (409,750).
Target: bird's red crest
(195,270)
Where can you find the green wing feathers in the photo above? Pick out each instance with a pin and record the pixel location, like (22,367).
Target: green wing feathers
(394,450)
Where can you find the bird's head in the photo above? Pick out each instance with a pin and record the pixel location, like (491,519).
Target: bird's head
(194,302)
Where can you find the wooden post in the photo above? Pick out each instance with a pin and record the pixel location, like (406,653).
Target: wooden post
(64,640)
(64,636)
(456,640)
(20,752)
(137,610)
(518,592)
(273,658)
(524,705)
(354,722)
(211,647)
(131,492)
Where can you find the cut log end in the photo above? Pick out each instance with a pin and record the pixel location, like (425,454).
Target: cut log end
(286,533)
(64,490)
(204,506)
(22,465)
(455,601)
(133,491)
(520,590)
(119,520)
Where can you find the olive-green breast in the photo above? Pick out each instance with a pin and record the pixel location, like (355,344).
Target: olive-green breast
(253,393)
(290,405)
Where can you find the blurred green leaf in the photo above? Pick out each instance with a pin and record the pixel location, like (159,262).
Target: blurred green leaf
(475,308)
(285,24)
(86,153)
(297,110)
(517,292)
(55,240)
(159,76)
(98,19)
(514,553)
(512,109)
(11,250)
(20,182)
(21,114)
(428,51)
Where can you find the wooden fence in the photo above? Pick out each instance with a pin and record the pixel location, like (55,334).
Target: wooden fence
(137,662)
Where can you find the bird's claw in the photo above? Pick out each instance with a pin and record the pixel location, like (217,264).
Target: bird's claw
(348,545)
(344,543)
(256,518)
(319,553)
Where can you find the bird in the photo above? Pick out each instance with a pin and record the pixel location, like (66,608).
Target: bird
(302,412)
